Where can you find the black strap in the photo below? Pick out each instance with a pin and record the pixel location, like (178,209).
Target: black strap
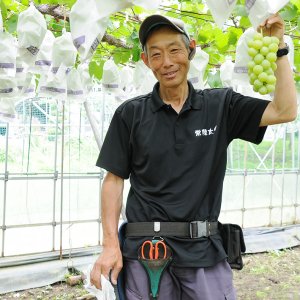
(194,229)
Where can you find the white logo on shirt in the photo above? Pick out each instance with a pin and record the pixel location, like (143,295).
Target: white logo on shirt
(205,132)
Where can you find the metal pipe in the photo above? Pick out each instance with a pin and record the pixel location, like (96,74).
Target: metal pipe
(55,177)
(4,190)
(62,178)
(283,165)
(272,178)
(48,223)
(244,181)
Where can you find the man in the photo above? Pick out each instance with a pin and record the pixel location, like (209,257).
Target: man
(172,143)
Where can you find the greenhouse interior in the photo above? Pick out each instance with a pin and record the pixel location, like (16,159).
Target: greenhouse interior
(65,66)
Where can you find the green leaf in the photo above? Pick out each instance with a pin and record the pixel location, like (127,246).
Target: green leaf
(245,22)
(214,80)
(11,23)
(121,56)
(240,10)
(289,12)
(136,53)
(298,23)
(221,40)
(25,2)
(96,69)
(296,3)
(3,10)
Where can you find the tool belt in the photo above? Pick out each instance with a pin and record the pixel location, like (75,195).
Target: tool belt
(194,229)
(233,243)
(232,235)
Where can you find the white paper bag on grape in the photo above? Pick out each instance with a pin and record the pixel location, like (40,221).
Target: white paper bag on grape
(88,25)
(75,89)
(8,87)
(220,10)
(43,59)
(226,72)
(63,52)
(54,85)
(89,20)
(31,29)
(8,54)
(197,68)
(1,21)
(240,71)
(87,81)
(7,109)
(260,10)
(143,79)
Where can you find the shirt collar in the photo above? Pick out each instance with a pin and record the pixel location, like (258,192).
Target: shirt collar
(192,101)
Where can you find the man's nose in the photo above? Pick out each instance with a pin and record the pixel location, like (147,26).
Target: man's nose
(167,61)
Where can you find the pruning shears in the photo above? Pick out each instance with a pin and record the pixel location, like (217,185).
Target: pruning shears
(154,249)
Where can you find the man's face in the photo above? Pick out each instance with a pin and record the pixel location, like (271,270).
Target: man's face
(167,57)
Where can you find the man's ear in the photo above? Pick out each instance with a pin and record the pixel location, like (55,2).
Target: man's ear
(144,58)
(192,49)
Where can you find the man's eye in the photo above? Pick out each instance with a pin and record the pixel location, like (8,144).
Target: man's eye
(155,55)
(174,50)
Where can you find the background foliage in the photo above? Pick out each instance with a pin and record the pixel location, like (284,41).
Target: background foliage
(124,26)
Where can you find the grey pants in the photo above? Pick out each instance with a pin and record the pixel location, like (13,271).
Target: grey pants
(213,283)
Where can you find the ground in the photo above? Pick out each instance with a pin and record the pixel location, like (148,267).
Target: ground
(273,276)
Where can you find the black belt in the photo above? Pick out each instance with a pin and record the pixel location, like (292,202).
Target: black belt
(194,229)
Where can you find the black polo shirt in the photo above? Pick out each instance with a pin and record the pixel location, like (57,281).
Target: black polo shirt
(177,162)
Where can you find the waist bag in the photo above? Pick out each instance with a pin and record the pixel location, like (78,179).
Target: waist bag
(233,243)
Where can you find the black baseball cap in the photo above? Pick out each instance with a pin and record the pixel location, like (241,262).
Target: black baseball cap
(156,20)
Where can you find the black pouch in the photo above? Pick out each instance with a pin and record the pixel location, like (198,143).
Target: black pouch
(233,243)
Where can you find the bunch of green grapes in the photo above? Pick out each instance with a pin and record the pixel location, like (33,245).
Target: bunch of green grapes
(261,67)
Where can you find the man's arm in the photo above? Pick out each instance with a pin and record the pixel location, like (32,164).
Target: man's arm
(111,256)
(283,108)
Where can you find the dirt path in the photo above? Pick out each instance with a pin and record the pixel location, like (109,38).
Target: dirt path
(270,276)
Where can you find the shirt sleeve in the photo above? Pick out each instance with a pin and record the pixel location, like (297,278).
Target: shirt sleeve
(244,117)
(115,152)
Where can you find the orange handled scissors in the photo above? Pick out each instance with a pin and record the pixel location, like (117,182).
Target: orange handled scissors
(154,247)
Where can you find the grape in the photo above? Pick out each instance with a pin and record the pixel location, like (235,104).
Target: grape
(251,64)
(271,57)
(265,64)
(274,66)
(264,50)
(270,88)
(258,84)
(257,36)
(250,43)
(257,44)
(252,52)
(275,39)
(263,77)
(258,58)
(267,40)
(273,47)
(262,65)
(263,90)
(271,79)
(257,69)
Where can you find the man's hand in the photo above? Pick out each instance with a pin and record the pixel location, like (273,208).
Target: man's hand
(109,260)
(273,26)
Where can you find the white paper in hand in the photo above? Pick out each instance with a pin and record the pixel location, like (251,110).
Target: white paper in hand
(260,10)
(107,292)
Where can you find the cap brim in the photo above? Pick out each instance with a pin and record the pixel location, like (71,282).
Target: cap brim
(152,21)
